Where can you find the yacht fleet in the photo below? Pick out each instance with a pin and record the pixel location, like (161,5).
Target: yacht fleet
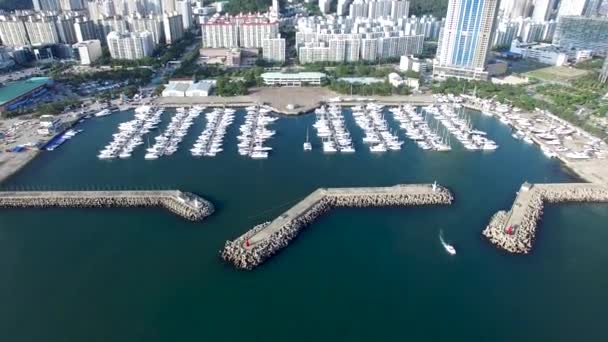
(168,142)
(418,129)
(370,118)
(209,142)
(431,128)
(331,130)
(130,133)
(254,133)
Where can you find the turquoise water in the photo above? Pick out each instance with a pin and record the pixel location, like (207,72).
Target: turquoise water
(355,274)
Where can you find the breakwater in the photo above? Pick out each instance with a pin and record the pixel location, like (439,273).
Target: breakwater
(515,230)
(184,204)
(258,244)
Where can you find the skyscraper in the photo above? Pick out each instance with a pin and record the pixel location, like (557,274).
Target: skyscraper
(466,39)
(515,8)
(579,7)
(543,9)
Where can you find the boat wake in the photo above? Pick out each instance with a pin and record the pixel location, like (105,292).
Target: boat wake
(449,248)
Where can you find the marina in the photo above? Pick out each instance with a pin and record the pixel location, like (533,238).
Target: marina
(106,266)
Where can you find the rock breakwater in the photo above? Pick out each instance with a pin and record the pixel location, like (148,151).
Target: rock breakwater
(515,230)
(184,204)
(264,240)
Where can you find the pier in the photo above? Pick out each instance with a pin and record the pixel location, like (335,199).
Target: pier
(184,204)
(515,230)
(264,240)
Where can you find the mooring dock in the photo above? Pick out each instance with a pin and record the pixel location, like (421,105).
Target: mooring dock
(515,230)
(258,244)
(185,204)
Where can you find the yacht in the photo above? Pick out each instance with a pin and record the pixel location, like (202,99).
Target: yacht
(307,144)
(103,112)
(448,248)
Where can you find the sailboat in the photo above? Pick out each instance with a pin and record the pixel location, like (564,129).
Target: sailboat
(449,248)
(307,144)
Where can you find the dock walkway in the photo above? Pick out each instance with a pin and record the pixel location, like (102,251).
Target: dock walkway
(187,205)
(515,230)
(264,240)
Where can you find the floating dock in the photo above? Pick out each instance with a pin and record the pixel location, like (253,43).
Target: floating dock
(184,204)
(264,240)
(515,230)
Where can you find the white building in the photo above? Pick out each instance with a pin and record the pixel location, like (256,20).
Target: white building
(200,88)
(65,29)
(111,24)
(251,34)
(412,63)
(88,51)
(273,49)
(571,7)
(543,10)
(293,79)
(188,88)
(46,5)
(132,45)
(220,35)
(542,53)
(516,8)
(12,31)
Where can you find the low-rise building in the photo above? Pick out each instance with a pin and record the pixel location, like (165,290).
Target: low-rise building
(188,88)
(87,51)
(293,79)
(20,93)
(412,63)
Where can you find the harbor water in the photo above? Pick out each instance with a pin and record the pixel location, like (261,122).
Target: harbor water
(377,274)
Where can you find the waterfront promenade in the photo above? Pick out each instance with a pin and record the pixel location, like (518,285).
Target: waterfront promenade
(264,240)
(184,204)
(515,230)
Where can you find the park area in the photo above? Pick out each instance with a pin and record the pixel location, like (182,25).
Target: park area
(560,74)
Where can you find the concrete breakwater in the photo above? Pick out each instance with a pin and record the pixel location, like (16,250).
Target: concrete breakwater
(184,204)
(264,240)
(515,230)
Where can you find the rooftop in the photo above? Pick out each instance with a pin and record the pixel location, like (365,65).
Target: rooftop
(295,75)
(19,88)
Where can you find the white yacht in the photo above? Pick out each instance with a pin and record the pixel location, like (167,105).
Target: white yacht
(103,112)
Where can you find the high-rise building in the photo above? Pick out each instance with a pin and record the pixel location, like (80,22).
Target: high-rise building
(72,5)
(87,51)
(592,7)
(12,31)
(85,29)
(65,28)
(110,24)
(577,32)
(46,5)
(174,27)
(516,8)
(543,10)
(130,45)
(393,9)
(168,6)
(220,34)
(342,7)
(466,39)
(42,30)
(273,49)
(185,9)
(505,32)
(154,7)
(246,31)
(251,34)
(604,72)
(324,6)
(572,7)
(276,9)
(150,23)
